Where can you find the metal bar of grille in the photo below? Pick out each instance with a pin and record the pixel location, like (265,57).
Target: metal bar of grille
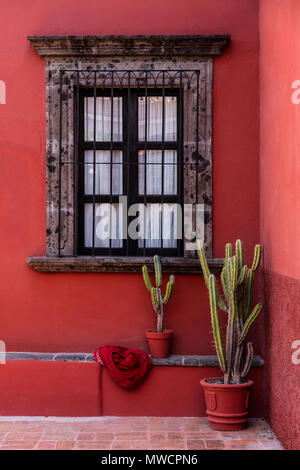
(60,163)
(76,166)
(145,161)
(162,164)
(197,138)
(111,154)
(128,158)
(180,176)
(94,163)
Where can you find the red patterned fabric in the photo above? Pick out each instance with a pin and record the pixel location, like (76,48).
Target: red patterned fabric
(127,367)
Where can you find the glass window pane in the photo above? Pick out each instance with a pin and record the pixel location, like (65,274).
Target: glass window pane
(154,172)
(103,118)
(160,219)
(154,118)
(170,172)
(102,168)
(108,224)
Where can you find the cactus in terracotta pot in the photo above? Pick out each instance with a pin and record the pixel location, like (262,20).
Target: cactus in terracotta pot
(158,299)
(237,284)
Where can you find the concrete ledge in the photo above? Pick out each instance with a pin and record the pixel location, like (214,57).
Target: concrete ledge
(173,360)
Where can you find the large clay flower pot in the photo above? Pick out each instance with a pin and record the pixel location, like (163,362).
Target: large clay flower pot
(159,343)
(227,405)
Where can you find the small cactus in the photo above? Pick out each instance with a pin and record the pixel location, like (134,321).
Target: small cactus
(157,297)
(237,282)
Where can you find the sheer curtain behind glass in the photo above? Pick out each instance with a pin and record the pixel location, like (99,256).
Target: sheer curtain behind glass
(104,176)
(157,172)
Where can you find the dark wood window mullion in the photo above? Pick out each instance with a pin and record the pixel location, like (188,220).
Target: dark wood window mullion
(180,161)
(162,166)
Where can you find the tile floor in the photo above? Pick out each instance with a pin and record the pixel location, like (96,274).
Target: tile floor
(130,433)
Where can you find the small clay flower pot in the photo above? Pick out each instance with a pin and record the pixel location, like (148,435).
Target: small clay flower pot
(227,405)
(159,343)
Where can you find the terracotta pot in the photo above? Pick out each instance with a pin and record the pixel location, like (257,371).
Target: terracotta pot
(159,343)
(227,405)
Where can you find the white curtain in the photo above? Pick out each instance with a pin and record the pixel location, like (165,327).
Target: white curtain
(102,172)
(154,173)
(159,220)
(103,119)
(154,118)
(108,221)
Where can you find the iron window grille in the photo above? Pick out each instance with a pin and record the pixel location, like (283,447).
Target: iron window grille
(129,86)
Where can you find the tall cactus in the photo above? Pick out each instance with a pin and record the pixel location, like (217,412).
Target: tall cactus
(237,283)
(158,299)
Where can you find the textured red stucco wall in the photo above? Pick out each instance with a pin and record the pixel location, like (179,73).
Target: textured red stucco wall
(280,209)
(77,312)
(41,388)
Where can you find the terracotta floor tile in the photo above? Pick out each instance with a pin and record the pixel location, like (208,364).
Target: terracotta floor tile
(65,445)
(214,444)
(22,445)
(131,436)
(140,445)
(173,435)
(92,445)
(157,436)
(168,445)
(121,445)
(195,444)
(86,436)
(59,436)
(104,436)
(242,444)
(131,433)
(46,445)
(14,436)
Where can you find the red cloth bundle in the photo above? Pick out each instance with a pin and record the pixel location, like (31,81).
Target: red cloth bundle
(127,367)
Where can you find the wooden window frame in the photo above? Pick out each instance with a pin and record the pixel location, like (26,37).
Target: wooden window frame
(130,146)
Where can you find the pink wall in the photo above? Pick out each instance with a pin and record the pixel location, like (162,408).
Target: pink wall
(280,209)
(77,312)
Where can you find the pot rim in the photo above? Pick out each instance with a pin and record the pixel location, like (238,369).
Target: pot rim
(165,332)
(204,384)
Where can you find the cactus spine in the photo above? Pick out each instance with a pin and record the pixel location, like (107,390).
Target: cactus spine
(158,299)
(237,283)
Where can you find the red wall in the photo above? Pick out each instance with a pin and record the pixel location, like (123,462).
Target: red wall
(280,209)
(42,388)
(77,312)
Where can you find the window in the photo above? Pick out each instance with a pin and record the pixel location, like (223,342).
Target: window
(127,118)
(137,154)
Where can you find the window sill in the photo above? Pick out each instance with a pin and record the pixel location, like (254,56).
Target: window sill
(119,264)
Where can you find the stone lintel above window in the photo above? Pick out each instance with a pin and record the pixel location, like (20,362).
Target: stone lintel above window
(182,46)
